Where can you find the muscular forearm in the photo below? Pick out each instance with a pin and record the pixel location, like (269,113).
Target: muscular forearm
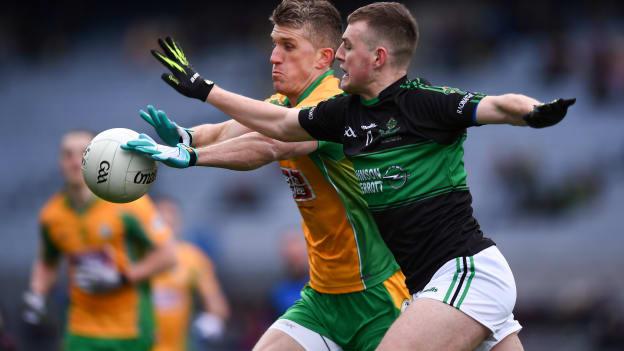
(155,261)
(508,109)
(250,151)
(207,134)
(43,277)
(274,121)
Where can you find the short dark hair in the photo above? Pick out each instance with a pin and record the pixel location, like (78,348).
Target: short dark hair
(320,19)
(393,23)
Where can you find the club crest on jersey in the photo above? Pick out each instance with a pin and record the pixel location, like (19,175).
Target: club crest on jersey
(299,185)
(392,127)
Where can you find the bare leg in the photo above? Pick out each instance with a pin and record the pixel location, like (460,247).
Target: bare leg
(431,325)
(509,343)
(277,340)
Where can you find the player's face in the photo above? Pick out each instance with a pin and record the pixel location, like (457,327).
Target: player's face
(293,60)
(72,147)
(356,58)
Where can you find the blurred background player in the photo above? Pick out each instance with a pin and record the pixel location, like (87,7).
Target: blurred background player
(356,289)
(173,291)
(112,250)
(295,265)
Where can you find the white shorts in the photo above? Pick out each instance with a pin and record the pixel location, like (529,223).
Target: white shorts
(483,287)
(308,339)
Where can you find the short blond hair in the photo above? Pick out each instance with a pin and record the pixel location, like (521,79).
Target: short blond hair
(319,18)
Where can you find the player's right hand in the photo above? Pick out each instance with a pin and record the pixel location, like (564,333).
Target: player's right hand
(167,130)
(183,77)
(548,114)
(209,326)
(179,156)
(34,308)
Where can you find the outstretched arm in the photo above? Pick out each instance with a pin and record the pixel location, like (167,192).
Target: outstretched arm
(242,153)
(172,133)
(208,134)
(521,110)
(274,121)
(250,151)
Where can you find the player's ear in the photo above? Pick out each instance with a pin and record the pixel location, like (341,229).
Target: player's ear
(324,58)
(381,57)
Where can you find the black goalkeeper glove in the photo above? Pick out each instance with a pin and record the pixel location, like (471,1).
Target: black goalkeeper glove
(183,77)
(549,114)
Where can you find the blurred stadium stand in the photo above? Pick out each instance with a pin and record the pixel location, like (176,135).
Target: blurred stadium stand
(552,199)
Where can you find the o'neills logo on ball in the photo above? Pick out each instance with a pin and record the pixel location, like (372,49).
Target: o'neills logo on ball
(144,178)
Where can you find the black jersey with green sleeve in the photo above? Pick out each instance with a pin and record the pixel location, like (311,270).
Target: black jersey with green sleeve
(406,147)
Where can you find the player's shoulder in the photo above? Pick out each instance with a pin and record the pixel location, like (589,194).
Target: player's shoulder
(53,207)
(419,85)
(185,247)
(328,88)
(276,99)
(191,252)
(422,88)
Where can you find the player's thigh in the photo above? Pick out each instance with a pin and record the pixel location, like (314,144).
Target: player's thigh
(509,343)
(274,339)
(377,309)
(286,335)
(429,324)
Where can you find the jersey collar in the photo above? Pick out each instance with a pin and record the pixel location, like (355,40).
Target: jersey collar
(72,206)
(311,88)
(391,89)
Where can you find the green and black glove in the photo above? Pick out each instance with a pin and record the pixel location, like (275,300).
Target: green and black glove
(549,114)
(183,77)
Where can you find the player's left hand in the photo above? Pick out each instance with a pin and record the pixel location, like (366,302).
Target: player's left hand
(209,326)
(548,114)
(96,277)
(179,156)
(183,77)
(167,130)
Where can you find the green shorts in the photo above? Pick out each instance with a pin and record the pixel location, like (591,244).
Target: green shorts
(354,321)
(81,343)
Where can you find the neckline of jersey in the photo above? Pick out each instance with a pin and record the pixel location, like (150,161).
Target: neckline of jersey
(310,88)
(390,89)
(79,210)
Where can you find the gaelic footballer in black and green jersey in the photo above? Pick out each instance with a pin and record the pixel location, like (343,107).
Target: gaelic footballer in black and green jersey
(406,147)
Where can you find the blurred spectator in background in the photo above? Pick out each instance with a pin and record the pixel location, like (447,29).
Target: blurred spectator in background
(295,264)
(112,250)
(539,196)
(173,292)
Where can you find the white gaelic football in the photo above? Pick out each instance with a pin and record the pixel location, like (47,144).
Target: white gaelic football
(114,174)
